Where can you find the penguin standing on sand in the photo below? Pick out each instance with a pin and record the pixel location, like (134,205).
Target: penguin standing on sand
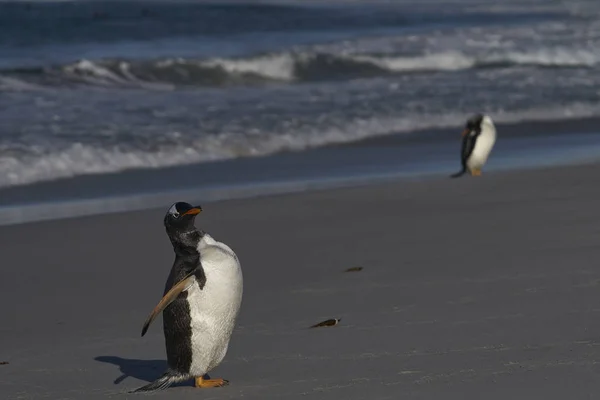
(479,137)
(201,302)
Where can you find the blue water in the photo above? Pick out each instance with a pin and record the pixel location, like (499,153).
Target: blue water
(90,87)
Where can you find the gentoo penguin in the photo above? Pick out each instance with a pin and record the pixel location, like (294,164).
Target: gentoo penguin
(479,137)
(201,301)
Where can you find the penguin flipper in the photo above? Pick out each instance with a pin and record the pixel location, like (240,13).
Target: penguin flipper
(468,144)
(166,380)
(169,297)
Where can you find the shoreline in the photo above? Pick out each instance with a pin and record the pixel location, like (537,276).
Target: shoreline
(74,209)
(430,154)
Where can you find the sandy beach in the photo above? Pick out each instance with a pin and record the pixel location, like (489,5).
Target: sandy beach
(471,288)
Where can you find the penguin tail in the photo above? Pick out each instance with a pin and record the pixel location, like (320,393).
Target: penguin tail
(166,380)
(459,173)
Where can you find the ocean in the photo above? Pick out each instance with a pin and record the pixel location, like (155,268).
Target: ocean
(97,87)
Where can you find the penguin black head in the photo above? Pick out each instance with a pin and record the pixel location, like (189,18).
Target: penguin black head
(181,216)
(474,124)
(475,121)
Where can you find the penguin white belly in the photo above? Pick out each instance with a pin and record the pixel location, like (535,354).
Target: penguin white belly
(483,147)
(214,308)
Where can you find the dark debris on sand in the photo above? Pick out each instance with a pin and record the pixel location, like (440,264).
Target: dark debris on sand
(354,269)
(329,322)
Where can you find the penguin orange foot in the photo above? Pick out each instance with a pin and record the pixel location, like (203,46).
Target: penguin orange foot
(210,383)
(476,172)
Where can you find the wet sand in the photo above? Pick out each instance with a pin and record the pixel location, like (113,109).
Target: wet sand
(474,288)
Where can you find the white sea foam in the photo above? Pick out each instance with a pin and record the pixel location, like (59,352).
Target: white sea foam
(281,66)
(276,66)
(93,73)
(558,57)
(284,66)
(446,61)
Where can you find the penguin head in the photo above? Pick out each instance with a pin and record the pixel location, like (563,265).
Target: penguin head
(181,216)
(476,123)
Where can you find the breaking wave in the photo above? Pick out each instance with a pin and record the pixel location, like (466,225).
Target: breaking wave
(279,67)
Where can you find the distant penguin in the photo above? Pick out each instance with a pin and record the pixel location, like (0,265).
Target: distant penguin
(479,137)
(201,301)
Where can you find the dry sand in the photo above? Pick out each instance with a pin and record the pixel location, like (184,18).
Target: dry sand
(476,288)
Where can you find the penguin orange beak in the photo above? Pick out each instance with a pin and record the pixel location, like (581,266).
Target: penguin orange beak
(465,132)
(193,211)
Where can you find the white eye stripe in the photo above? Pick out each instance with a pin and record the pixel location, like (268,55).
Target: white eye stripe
(173,211)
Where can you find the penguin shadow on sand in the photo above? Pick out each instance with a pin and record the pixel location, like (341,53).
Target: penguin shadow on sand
(144,370)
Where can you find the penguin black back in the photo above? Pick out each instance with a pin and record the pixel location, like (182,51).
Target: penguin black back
(184,236)
(470,133)
(474,130)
